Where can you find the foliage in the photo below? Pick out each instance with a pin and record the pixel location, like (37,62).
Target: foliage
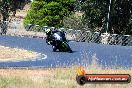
(49,12)
(73,22)
(8,6)
(120,15)
(78,5)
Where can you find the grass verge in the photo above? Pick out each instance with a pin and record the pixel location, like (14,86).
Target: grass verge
(55,77)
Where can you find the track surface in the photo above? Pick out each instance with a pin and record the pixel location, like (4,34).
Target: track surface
(107,55)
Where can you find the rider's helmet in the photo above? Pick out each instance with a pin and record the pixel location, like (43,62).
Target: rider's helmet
(48,31)
(52,28)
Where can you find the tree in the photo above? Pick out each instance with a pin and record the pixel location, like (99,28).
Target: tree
(120,15)
(78,4)
(95,13)
(74,21)
(49,12)
(8,6)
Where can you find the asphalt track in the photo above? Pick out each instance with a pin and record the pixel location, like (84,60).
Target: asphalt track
(107,55)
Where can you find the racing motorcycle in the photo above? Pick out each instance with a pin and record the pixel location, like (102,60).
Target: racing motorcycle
(59,43)
(48,40)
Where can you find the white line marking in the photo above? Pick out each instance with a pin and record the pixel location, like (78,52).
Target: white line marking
(45,56)
(41,57)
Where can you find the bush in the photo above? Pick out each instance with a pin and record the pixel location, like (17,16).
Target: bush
(73,22)
(48,13)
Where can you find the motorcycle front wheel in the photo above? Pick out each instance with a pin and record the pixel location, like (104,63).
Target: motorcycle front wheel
(66,47)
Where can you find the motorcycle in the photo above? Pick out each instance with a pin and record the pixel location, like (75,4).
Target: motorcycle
(60,44)
(48,40)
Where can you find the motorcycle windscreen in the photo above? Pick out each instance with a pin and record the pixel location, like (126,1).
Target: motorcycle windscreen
(57,36)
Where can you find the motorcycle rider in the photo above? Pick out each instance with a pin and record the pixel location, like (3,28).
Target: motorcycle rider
(61,33)
(54,35)
(57,36)
(49,36)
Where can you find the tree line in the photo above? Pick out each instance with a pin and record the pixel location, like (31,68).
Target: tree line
(61,13)
(120,21)
(10,6)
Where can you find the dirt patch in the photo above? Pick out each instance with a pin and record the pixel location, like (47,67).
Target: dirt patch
(8,54)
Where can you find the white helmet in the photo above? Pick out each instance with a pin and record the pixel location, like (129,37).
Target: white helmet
(47,30)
